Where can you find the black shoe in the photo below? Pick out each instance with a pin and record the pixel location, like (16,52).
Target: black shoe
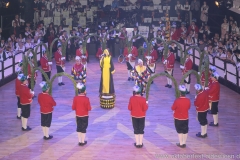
(181,146)
(85,142)
(137,146)
(209,112)
(152,82)
(205,135)
(18,117)
(213,125)
(27,129)
(62,83)
(59,84)
(140,146)
(167,85)
(200,136)
(80,144)
(132,79)
(129,79)
(49,137)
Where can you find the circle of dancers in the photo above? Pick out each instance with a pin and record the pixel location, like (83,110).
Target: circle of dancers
(206,99)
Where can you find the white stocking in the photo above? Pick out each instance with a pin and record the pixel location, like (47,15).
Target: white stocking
(215,118)
(170,81)
(184,138)
(83,137)
(137,139)
(23,125)
(202,130)
(140,139)
(79,136)
(47,132)
(19,110)
(205,129)
(180,137)
(129,73)
(59,79)
(44,133)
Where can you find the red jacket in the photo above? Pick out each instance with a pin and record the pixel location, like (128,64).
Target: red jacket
(175,36)
(17,86)
(46,103)
(44,63)
(202,101)
(214,91)
(134,53)
(203,79)
(59,61)
(81,105)
(170,61)
(80,54)
(30,72)
(180,107)
(25,95)
(99,53)
(154,55)
(193,28)
(138,106)
(187,65)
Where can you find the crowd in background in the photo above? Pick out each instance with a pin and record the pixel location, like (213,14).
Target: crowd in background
(24,35)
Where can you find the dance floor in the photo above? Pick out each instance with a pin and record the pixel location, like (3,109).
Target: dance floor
(110,132)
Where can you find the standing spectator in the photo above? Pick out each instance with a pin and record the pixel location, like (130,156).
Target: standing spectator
(15,30)
(180,109)
(178,9)
(186,9)
(224,29)
(22,8)
(204,13)
(235,29)
(18,21)
(195,8)
(36,12)
(2,55)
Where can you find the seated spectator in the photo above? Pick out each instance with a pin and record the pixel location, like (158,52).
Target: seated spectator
(235,29)
(221,54)
(2,55)
(236,58)
(9,52)
(18,21)
(205,30)
(28,32)
(201,45)
(20,47)
(229,57)
(234,45)
(189,40)
(2,44)
(195,39)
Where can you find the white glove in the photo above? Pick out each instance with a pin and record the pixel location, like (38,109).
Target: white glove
(36,71)
(63,68)
(165,61)
(130,55)
(50,63)
(147,102)
(206,88)
(150,57)
(32,92)
(181,66)
(28,77)
(198,73)
(62,58)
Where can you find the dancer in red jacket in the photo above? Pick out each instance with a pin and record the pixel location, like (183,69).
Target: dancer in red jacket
(138,107)
(214,94)
(17,89)
(168,66)
(59,63)
(202,106)
(188,64)
(180,109)
(25,95)
(46,65)
(81,105)
(46,103)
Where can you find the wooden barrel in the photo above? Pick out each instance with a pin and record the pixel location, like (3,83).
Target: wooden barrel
(107,101)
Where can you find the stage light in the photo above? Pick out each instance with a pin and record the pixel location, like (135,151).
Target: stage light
(7,4)
(216,3)
(219,3)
